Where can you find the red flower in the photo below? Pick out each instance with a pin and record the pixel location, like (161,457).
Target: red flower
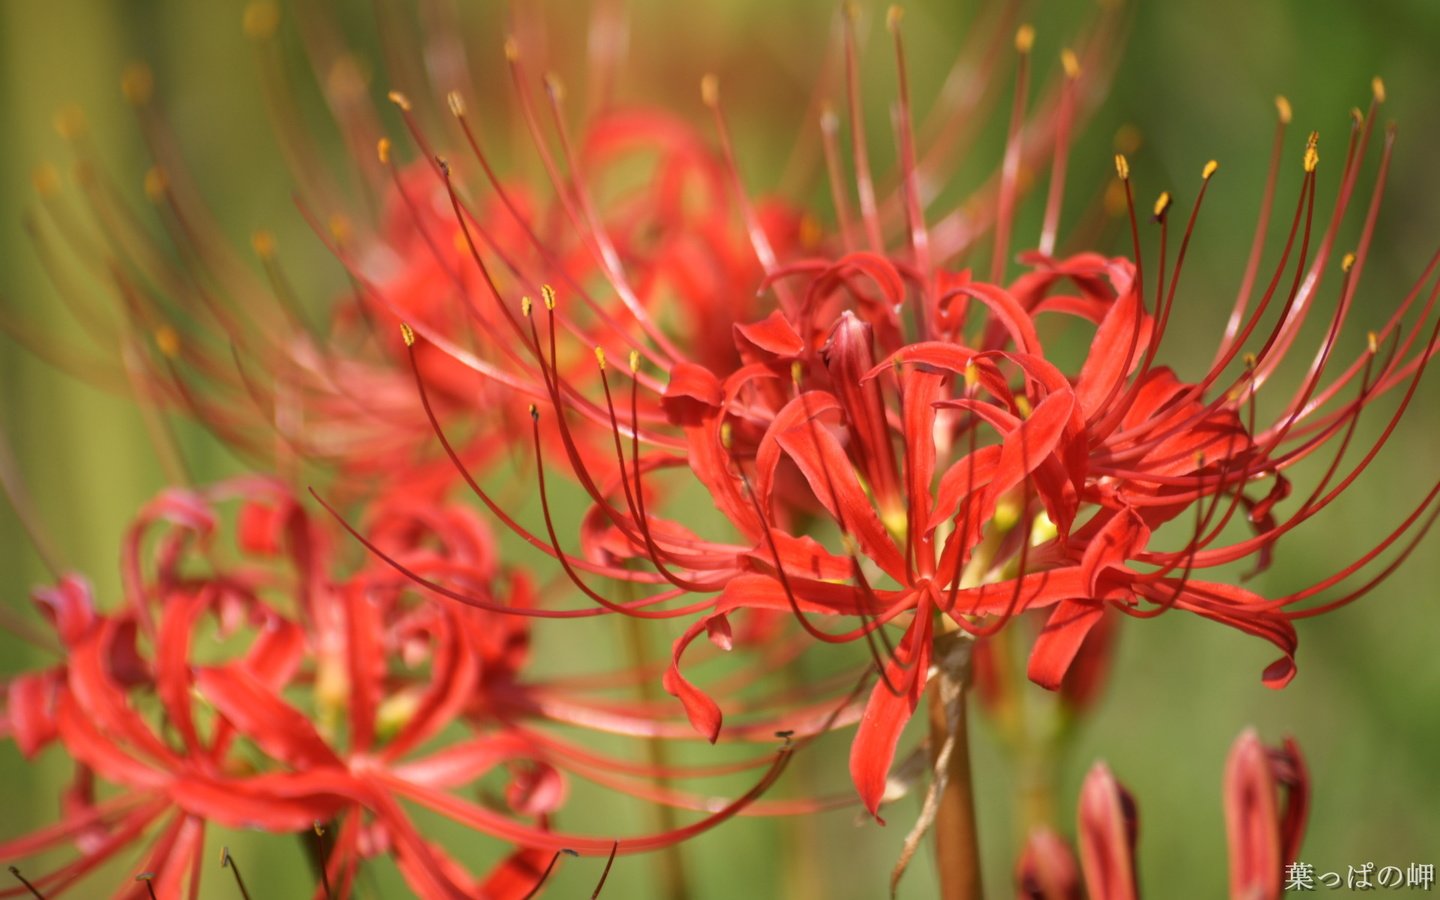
(270,694)
(963,477)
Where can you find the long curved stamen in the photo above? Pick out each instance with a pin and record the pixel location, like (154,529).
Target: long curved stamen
(1010,167)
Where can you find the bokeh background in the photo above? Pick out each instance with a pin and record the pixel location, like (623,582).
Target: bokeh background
(1194,80)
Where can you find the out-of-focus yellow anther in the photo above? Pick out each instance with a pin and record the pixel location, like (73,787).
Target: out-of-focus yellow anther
(634,361)
(1022,403)
(456,104)
(1347,263)
(810,231)
(710,90)
(70,122)
(512,49)
(399,100)
(263,243)
(893,16)
(382,150)
(796,371)
(407,334)
(340,229)
(156,184)
(46,179)
(1122,167)
(137,84)
(972,376)
(1070,63)
(1162,205)
(1357,118)
(1025,38)
(1251,361)
(1128,139)
(554,86)
(167,340)
(727,435)
(1377,88)
(260,20)
(1282,107)
(1211,168)
(1372,341)
(547,293)
(600,357)
(526,305)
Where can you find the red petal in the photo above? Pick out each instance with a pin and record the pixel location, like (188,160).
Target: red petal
(260,715)
(886,713)
(1060,640)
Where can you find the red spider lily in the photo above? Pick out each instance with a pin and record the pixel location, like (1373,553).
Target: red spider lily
(276,696)
(1266,798)
(590,435)
(966,476)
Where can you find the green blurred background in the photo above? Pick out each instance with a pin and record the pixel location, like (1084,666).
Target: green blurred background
(1197,80)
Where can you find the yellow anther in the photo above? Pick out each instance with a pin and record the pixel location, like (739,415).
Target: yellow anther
(399,100)
(137,84)
(710,90)
(1025,38)
(167,340)
(156,184)
(851,10)
(1211,168)
(340,229)
(893,15)
(1128,139)
(1312,159)
(547,293)
(260,20)
(512,49)
(810,231)
(1070,63)
(727,436)
(526,305)
(1162,205)
(347,79)
(1282,107)
(1251,361)
(1372,341)
(456,103)
(1347,263)
(534,412)
(1377,88)
(1122,167)
(46,179)
(407,334)
(554,86)
(600,357)
(796,371)
(1357,118)
(972,375)
(634,361)
(70,122)
(263,243)
(1022,403)
(382,150)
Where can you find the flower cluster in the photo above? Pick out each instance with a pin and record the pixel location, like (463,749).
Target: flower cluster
(895,453)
